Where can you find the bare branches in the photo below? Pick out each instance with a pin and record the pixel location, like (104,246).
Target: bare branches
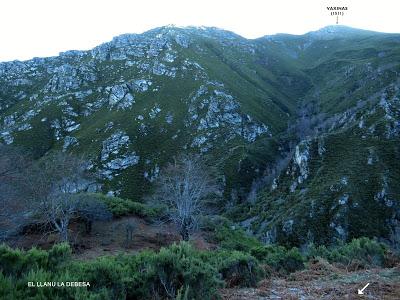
(55,187)
(90,209)
(50,191)
(13,205)
(183,187)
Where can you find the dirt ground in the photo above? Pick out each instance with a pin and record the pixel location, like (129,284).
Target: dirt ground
(384,284)
(109,238)
(320,280)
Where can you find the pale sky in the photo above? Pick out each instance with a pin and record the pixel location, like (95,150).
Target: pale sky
(30,28)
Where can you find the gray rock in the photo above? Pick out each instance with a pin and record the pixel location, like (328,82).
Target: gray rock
(121,163)
(159,68)
(120,96)
(141,85)
(301,158)
(118,55)
(7,137)
(169,118)
(114,144)
(69,141)
(182,40)
(154,111)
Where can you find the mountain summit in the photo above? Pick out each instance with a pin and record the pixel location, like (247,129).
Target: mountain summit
(337,31)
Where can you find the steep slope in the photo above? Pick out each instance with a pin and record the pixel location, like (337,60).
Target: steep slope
(342,184)
(312,119)
(343,179)
(133,103)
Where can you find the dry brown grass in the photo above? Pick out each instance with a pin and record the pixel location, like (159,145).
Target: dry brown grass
(322,280)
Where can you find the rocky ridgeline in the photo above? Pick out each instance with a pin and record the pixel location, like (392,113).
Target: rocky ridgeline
(113,77)
(315,118)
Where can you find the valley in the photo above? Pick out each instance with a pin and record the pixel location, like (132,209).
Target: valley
(287,146)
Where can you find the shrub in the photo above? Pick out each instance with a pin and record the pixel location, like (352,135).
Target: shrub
(212,223)
(235,239)
(236,268)
(16,262)
(365,250)
(177,268)
(7,290)
(294,261)
(178,271)
(122,207)
(362,250)
(104,273)
(279,258)
(313,251)
(59,254)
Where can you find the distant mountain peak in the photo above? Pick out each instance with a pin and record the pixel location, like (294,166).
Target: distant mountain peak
(336,31)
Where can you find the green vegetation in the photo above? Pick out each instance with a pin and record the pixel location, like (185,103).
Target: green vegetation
(285,260)
(364,251)
(179,269)
(342,81)
(234,239)
(344,185)
(123,207)
(302,131)
(142,276)
(279,258)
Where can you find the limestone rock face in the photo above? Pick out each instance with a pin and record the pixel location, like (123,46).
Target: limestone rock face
(302,129)
(68,77)
(301,158)
(116,154)
(336,181)
(120,96)
(114,144)
(210,111)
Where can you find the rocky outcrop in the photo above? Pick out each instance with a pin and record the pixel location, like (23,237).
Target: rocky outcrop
(135,102)
(116,155)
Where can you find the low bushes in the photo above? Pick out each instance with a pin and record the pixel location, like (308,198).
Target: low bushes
(122,207)
(178,267)
(234,239)
(17,262)
(236,268)
(363,251)
(279,258)
(177,270)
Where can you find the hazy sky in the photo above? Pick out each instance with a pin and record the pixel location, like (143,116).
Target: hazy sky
(30,28)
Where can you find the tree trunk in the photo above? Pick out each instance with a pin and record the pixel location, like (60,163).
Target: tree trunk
(88,226)
(184,234)
(184,230)
(64,232)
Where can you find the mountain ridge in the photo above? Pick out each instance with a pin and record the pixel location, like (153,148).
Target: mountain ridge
(262,110)
(326,29)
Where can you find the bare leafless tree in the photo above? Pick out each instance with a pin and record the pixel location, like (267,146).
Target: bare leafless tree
(55,184)
(183,186)
(91,209)
(48,191)
(13,204)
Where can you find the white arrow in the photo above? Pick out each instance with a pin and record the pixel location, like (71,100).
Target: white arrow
(361,292)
